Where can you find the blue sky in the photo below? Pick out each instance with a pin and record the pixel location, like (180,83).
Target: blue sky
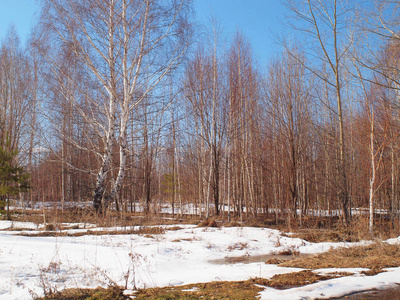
(258,20)
(21,13)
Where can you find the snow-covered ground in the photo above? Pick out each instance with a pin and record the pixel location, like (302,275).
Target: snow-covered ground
(31,265)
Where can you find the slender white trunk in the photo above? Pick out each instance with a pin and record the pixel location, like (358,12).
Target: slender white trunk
(128,88)
(372,179)
(110,134)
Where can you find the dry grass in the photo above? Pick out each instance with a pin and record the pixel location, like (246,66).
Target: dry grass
(288,280)
(323,235)
(375,257)
(324,229)
(208,223)
(146,231)
(219,290)
(237,246)
(111,293)
(313,228)
(232,289)
(212,290)
(111,219)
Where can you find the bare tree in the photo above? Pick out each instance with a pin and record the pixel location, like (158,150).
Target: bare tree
(15,79)
(323,23)
(288,100)
(205,97)
(124,48)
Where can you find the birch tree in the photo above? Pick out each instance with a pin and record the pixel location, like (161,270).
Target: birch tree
(124,49)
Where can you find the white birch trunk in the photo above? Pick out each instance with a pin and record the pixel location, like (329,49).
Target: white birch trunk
(372,179)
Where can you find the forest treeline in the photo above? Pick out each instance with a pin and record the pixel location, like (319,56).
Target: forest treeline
(122,102)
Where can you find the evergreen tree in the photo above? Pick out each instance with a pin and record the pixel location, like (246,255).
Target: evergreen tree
(13,179)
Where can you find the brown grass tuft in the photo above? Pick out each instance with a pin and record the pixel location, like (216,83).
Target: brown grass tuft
(208,223)
(375,257)
(288,280)
(323,235)
(213,290)
(232,224)
(275,261)
(324,229)
(50,227)
(111,293)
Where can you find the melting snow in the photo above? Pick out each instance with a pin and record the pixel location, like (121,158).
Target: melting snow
(31,265)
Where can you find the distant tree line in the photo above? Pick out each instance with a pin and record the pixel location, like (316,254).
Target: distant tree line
(123,102)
